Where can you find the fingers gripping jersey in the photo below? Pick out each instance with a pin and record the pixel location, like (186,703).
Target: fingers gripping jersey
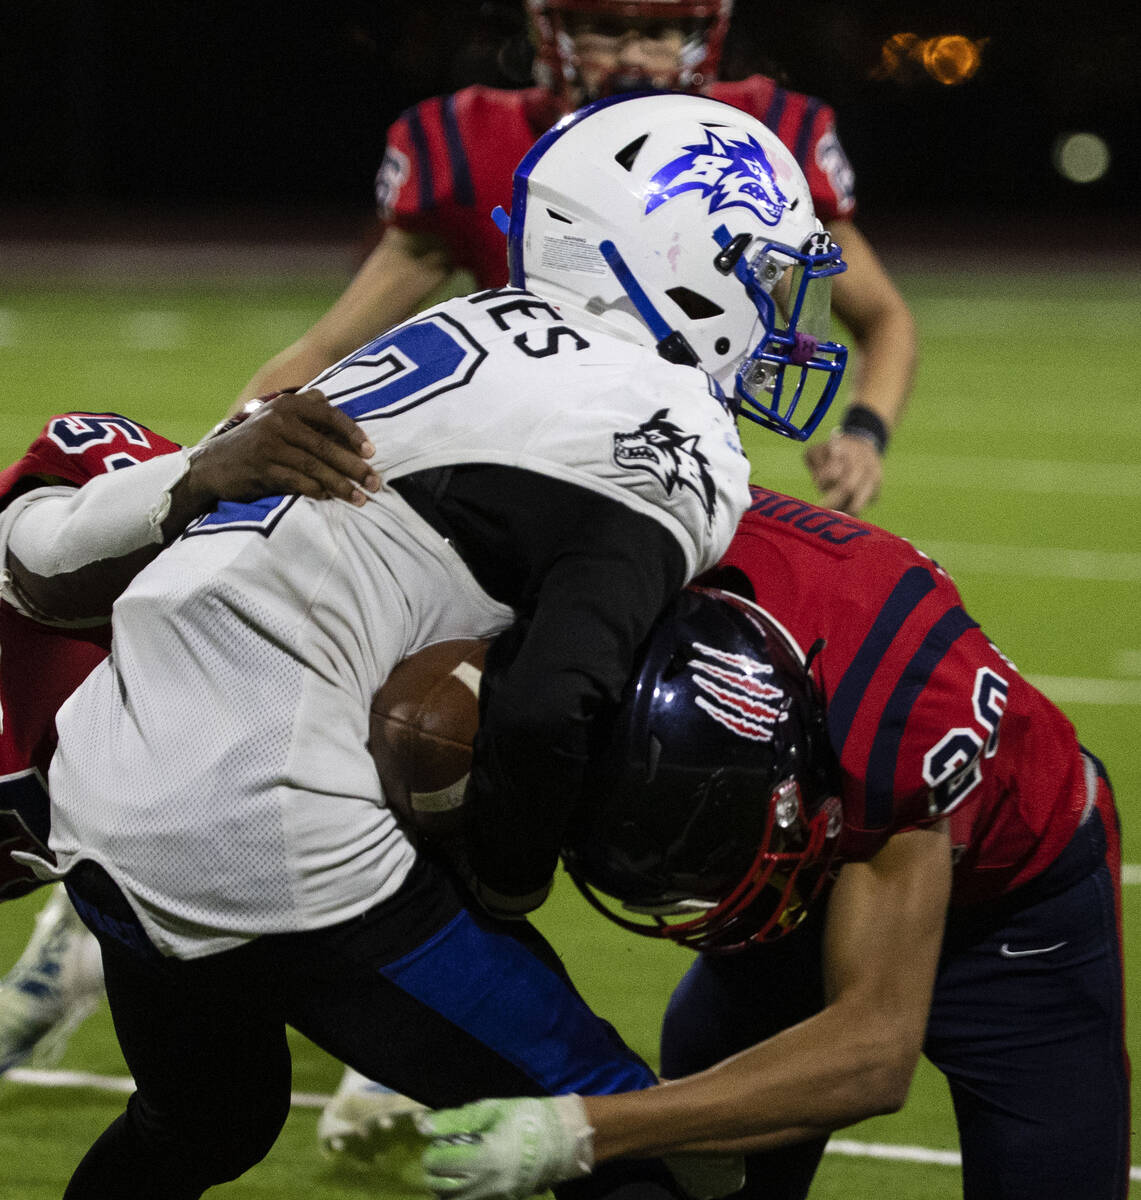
(40,666)
(450,160)
(926,715)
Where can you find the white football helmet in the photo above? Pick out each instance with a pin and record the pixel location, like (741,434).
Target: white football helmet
(680,222)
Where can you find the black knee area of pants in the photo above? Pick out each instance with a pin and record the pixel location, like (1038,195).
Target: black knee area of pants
(636,1179)
(130,1161)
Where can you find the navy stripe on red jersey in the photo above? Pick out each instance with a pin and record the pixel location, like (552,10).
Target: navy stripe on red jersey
(804,137)
(457,155)
(879,781)
(845,701)
(425,183)
(775,110)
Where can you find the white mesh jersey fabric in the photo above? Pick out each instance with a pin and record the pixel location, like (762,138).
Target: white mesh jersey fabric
(216,764)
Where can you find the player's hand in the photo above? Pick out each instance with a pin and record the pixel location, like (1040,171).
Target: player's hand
(507,1148)
(290,444)
(848,471)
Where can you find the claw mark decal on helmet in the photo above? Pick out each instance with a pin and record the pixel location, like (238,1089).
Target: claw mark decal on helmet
(740,700)
(671,456)
(728,171)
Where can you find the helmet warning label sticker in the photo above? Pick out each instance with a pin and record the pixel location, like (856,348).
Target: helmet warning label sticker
(572,254)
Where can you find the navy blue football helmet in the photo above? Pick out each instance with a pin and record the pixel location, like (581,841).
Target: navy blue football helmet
(712,810)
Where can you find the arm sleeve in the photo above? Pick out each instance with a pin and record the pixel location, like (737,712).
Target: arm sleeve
(547,680)
(415,185)
(56,531)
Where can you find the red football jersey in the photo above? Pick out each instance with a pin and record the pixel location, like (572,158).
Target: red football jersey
(40,666)
(926,716)
(450,160)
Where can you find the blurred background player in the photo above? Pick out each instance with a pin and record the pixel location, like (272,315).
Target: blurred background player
(88,543)
(449,162)
(839,708)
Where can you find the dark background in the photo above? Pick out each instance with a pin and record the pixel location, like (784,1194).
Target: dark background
(164,106)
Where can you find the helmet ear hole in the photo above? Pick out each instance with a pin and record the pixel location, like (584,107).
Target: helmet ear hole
(695,306)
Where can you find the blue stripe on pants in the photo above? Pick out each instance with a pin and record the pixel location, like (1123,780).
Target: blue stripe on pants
(492,987)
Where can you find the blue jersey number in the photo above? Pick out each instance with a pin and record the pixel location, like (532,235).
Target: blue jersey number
(391,374)
(403,368)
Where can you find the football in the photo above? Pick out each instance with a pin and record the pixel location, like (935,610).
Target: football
(421,726)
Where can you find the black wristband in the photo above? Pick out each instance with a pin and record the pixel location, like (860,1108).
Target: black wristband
(862,422)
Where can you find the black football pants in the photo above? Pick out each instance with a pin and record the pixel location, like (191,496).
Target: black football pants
(417,993)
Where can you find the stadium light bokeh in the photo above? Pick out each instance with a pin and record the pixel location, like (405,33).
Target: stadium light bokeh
(1081,157)
(949,59)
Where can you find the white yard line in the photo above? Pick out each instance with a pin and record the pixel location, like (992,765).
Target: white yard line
(915,1154)
(1057,477)
(154,329)
(845,1146)
(1037,562)
(1048,477)
(1074,689)
(123,1084)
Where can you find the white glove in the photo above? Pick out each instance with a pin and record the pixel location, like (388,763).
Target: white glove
(506,1148)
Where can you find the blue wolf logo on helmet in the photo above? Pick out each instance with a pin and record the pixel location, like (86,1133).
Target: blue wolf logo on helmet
(728,171)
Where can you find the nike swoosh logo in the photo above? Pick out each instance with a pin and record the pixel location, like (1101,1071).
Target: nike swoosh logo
(1006,951)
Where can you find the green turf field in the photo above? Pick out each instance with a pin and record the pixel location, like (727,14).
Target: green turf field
(1018,468)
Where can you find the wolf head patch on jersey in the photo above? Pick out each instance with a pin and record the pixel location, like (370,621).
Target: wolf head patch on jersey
(661,448)
(729,171)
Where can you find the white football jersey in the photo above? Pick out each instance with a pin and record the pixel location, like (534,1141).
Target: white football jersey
(498,377)
(216,764)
